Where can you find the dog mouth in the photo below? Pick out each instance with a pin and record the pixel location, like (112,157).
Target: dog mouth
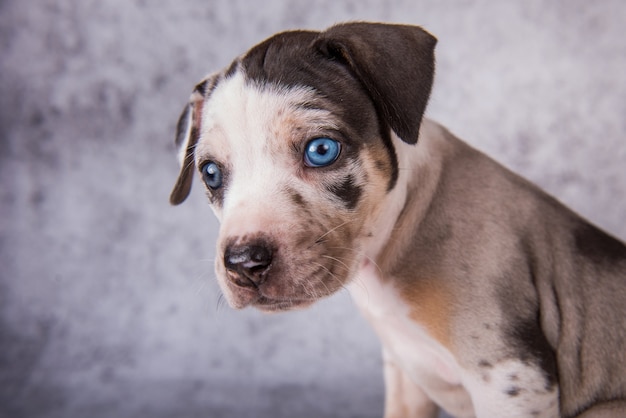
(276,295)
(266,304)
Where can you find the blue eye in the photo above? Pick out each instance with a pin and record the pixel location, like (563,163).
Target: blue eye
(212,175)
(321,152)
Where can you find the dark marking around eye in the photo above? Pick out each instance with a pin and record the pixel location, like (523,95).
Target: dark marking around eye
(347,191)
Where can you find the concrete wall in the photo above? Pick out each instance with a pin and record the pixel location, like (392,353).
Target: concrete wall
(108,305)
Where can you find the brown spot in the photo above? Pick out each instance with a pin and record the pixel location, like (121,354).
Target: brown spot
(513,391)
(431,305)
(297,199)
(528,338)
(381,165)
(485,364)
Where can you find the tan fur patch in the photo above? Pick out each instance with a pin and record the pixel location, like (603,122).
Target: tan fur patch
(431,306)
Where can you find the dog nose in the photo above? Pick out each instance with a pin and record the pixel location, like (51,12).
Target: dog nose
(250,262)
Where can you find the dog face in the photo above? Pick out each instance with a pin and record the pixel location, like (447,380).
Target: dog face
(295,145)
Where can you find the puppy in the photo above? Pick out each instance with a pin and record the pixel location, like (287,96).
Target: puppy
(491,299)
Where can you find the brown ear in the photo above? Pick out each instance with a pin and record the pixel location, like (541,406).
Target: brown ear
(395,64)
(187,132)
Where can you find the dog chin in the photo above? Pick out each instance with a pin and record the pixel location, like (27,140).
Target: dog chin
(270,306)
(243,299)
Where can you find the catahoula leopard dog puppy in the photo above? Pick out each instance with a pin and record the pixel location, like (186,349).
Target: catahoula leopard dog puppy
(491,298)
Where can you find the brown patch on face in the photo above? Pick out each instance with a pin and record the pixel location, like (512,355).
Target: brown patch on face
(297,199)
(431,306)
(382,163)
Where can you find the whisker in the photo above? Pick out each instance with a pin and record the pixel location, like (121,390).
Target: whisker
(361,253)
(321,237)
(312,293)
(329,273)
(221,302)
(357,281)
(342,285)
(337,260)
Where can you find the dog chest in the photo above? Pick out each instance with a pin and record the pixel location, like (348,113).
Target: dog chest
(425,360)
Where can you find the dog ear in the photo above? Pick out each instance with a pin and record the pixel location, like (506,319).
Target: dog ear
(187,132)
(395,64)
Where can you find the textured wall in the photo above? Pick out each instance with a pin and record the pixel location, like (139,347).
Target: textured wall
(108,306)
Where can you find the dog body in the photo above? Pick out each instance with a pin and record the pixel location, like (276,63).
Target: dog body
(491,299)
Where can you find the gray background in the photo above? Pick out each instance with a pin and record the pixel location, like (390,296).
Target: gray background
(108,304)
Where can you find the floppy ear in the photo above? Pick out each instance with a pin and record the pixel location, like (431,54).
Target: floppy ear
(187,132)
(395,64)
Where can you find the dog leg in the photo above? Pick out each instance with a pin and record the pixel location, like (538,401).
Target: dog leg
(403,398)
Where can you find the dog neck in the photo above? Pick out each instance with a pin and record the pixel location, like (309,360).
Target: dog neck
(407,203)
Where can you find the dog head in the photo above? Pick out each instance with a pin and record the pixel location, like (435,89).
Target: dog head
(295,144)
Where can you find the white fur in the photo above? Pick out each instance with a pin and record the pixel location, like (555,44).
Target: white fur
(408,345)
(491,398)
(260,170)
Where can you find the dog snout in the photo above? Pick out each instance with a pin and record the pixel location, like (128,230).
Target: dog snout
(249,262)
